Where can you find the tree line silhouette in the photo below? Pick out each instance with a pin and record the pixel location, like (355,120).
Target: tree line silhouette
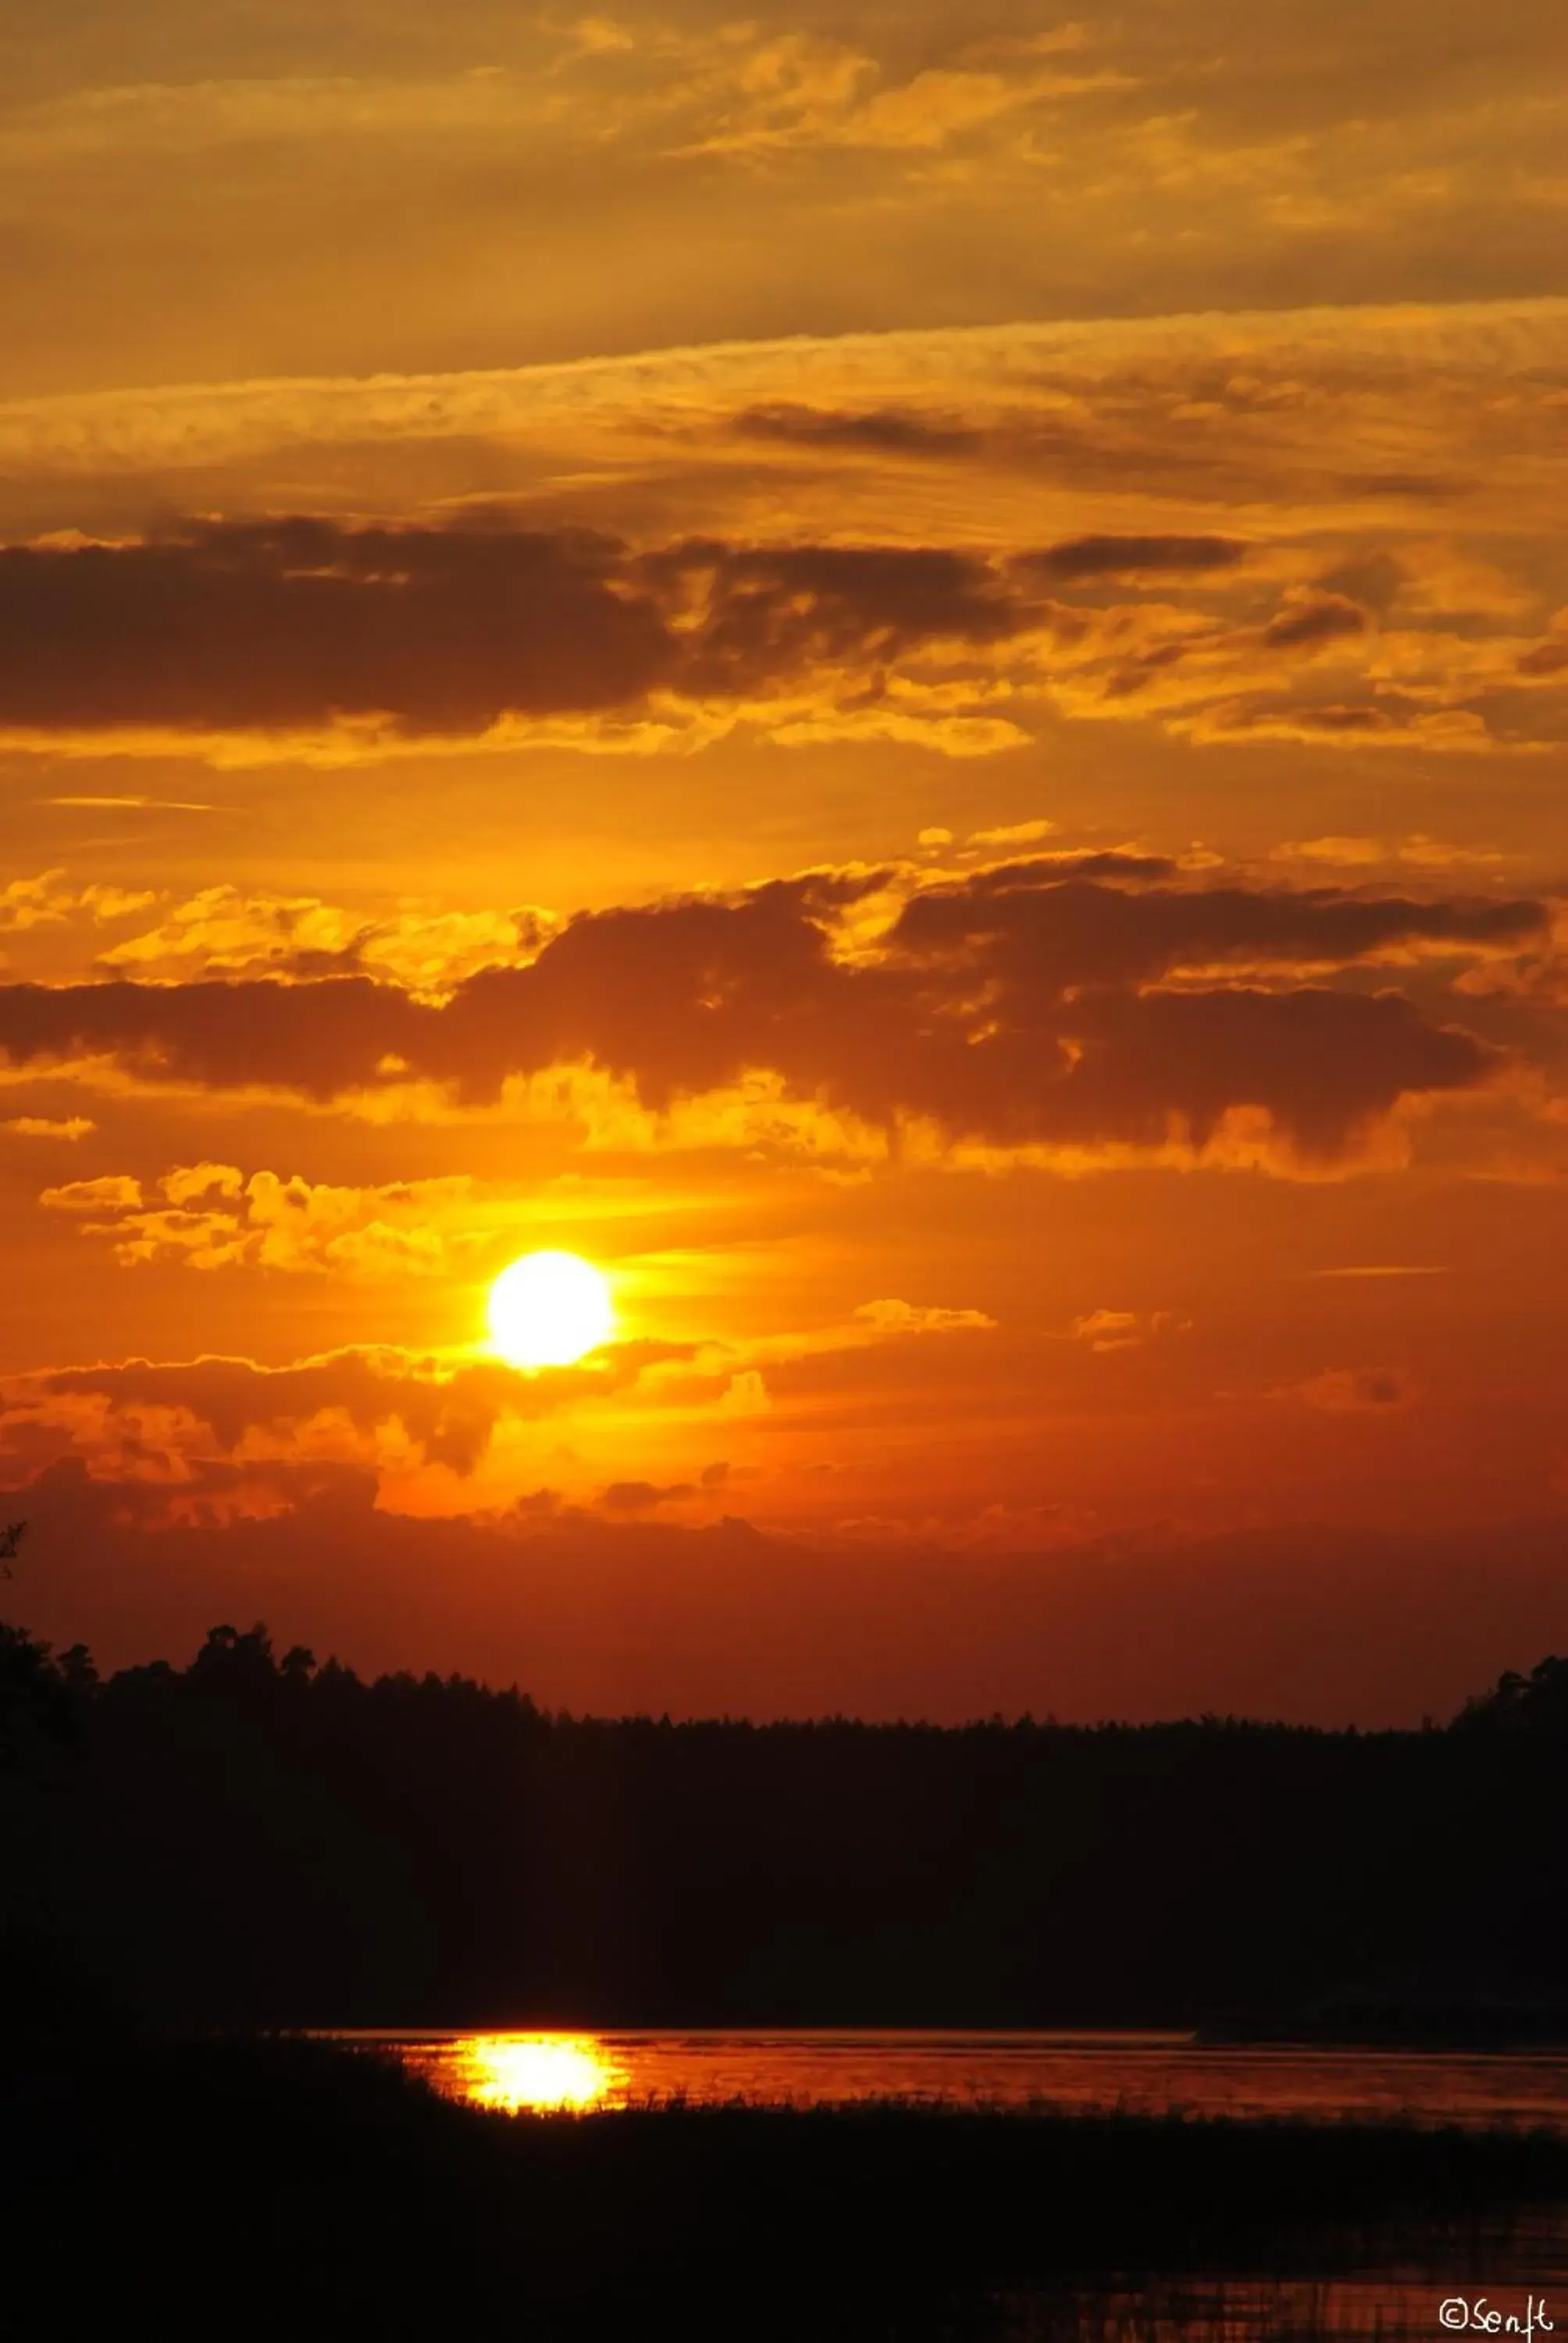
(257,1839)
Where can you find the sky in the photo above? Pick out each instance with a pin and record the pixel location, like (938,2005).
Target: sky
(901,673)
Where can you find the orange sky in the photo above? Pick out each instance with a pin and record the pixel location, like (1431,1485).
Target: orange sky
(903,673)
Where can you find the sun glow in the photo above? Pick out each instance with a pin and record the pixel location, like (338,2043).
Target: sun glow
(537,2070)
(549,1310)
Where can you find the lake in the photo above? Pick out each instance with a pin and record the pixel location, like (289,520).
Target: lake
(1386,2293)
(1145,2073)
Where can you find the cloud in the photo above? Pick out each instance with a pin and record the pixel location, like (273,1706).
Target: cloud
(320,1038)
(1122,1330)
(1394,721)
(1087,558)
(25,902)
(1547,660)
(1345,852)
(1014,1006)
(48,901)
(170,1425)
(585,559)
(42,1126)
(1050,925)
(304,627)
(302,636)
(909,1318)
(1310,619)
(1115,862)
(113,1193)
(297,624)
(1204,165)
(877,431)
(224,929)
(133,805)
(1383,1269)
(797,91)
(1439,854)
(190,1182)
(1013,833)
(1108,1330)
(788,589)
(214,1216)
(164,1422)
(1356,1391)
(1261,399)
(192,118)
(644,1496)
(745,1394)
(1422,852)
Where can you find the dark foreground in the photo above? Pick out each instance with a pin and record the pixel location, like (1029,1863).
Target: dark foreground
(291,2189)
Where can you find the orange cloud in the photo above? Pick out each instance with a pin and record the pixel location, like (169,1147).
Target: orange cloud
(224,929)
(112,1192)
(213,1216)
(42,1126)
(162,1421)
(1123,1330)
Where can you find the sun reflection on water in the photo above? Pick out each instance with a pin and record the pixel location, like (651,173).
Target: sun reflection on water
(514,2071)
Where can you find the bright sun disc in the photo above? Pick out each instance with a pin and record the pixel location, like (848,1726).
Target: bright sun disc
(549,1310)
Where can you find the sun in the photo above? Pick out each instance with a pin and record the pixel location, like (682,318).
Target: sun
(549,1310)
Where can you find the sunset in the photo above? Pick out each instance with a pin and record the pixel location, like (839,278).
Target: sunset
(784,953)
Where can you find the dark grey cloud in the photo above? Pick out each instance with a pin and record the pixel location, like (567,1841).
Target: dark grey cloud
(1317,618)
(295,623)
(299,623)
(882,430)
(1015,1006)
(644,1496)
(1049,869)
(1087,558)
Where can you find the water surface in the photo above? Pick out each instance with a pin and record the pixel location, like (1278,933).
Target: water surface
(1520,2269)
(1140,2073)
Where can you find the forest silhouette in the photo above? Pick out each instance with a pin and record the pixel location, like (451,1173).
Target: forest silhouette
(255,1839)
